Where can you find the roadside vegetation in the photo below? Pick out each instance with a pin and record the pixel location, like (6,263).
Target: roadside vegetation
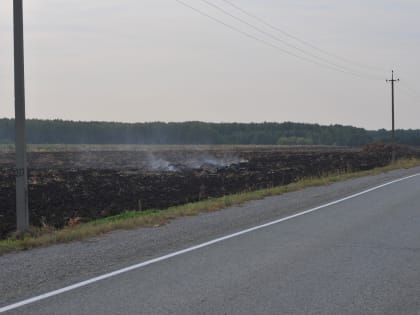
(37,237)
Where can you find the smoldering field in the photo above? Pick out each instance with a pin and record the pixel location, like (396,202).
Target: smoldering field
(68,184)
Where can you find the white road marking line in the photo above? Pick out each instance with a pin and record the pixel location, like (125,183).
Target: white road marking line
(189,249)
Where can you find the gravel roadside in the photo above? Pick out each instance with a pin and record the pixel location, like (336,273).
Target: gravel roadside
(30,273)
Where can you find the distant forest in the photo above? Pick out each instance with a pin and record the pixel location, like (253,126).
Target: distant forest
(194,132)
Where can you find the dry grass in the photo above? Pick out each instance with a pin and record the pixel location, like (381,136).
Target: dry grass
(37,237)
(10,148)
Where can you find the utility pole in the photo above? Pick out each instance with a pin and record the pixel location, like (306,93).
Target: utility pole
(22,212)
(393,113)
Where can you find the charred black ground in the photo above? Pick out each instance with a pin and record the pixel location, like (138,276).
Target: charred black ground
(95,184)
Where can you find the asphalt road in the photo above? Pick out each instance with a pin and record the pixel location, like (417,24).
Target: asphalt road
(359,256)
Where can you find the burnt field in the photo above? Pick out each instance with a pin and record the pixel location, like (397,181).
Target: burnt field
(95,184)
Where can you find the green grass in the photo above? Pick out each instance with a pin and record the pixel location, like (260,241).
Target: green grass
(37,237)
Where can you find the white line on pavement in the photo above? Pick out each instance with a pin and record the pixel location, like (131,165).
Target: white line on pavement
(189,249)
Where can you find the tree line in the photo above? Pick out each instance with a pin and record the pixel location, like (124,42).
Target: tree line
(195,132)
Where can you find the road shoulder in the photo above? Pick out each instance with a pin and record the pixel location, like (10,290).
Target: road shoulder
(34,272)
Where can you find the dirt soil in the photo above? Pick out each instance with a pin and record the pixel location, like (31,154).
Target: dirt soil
(95,184)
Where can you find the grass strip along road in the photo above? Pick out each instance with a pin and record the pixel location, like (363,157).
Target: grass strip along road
(37,237)
(358,255)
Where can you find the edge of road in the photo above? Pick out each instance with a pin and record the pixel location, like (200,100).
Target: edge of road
(281,208)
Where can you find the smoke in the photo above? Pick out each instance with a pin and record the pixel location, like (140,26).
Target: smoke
(197,161)
(161,165)
(215,162)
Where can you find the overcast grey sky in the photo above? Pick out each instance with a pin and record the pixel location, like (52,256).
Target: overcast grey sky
(156,60)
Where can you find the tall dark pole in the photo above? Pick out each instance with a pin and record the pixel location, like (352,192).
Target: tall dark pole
(393,113)
(22,213)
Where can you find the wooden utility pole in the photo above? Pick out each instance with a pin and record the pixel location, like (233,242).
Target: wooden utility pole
(22,212)
(393,113)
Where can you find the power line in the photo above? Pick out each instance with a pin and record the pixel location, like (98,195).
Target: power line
(264,42)
(286,43)
(303,42)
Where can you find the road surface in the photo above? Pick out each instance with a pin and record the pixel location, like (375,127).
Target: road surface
(356,256)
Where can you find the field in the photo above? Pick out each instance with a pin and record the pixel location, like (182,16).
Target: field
(68,183)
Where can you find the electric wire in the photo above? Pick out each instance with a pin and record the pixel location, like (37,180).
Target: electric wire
(286,43)
(303,42)
(267,43)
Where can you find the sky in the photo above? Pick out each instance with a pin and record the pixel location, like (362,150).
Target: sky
(159,60)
